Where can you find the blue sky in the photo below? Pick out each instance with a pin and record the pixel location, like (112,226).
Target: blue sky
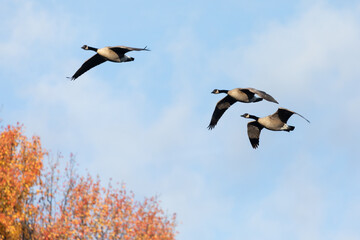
(144,122)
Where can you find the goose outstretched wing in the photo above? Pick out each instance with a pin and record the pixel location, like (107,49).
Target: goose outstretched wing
(219,110)
(121,50)
(262,94)
(254,130)
(90,63)
(284,114)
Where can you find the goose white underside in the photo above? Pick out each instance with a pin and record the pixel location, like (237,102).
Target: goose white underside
(285,127)
(282,128)
(254,99)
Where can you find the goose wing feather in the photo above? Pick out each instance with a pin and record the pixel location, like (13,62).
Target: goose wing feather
(262,94)
(253,130)
(219,110)
(302,117)
(90,63)
(284,114)
(123,49)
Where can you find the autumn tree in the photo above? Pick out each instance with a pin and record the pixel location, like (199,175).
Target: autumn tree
(48,202)
(20,169)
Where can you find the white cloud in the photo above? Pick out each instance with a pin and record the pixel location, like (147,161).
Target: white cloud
(295,209)
(32,31)
(318,47)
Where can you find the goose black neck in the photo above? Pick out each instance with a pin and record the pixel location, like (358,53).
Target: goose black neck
(92,48)
(223,91)
(253,117)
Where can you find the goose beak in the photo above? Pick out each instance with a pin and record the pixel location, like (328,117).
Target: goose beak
(244,115)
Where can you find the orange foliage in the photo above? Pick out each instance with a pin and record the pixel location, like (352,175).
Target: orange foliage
(38,203)
(20,166)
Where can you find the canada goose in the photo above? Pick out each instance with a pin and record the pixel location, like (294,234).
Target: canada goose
(245,95)
(113,54)
(274,122)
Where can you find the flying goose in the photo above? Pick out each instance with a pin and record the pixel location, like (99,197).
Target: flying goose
(274,122)
(113,54)
(245,95)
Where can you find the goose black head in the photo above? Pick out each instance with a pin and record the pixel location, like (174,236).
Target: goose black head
(215,91)
(245,115)
(85,47)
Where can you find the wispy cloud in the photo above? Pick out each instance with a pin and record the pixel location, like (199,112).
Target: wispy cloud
(32,31)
